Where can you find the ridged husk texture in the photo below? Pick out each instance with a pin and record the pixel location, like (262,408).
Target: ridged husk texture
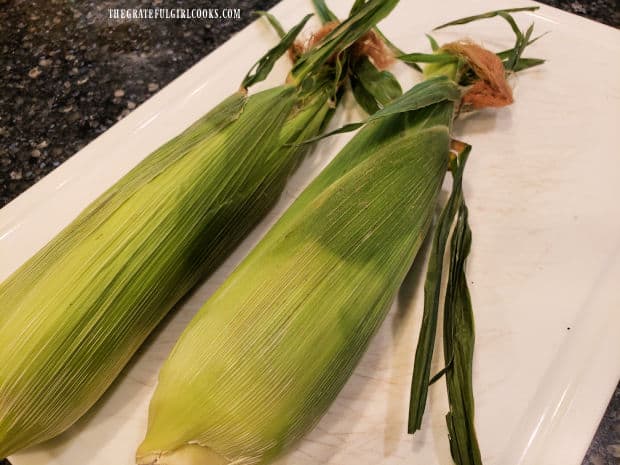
(72,315)
(267,354)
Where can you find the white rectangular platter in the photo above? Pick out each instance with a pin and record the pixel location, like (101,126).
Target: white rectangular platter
(543,184)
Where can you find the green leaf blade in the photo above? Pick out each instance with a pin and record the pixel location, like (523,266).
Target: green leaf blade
(432,286)
(273,21)
(363,98)
(381,85)
(490,14)
(428,58)
(263,67)
(459,336)
(325,14)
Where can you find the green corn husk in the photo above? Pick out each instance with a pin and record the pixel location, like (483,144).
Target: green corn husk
(73,314)
(267,354)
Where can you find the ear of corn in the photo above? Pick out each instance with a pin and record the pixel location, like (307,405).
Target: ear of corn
(268,353)
(73,315)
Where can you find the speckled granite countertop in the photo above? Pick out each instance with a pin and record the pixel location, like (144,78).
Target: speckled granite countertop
(68,74)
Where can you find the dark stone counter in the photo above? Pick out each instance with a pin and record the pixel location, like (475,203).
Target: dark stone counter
(68,73)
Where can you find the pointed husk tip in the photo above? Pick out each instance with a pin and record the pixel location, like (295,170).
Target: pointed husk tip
(188,454)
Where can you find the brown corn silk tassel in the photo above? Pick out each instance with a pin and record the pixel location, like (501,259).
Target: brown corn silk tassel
(491,89)
(370,45)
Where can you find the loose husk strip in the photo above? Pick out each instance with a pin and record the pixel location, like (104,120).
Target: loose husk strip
(482,75)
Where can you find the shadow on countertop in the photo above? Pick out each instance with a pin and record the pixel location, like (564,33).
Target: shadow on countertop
(69,73)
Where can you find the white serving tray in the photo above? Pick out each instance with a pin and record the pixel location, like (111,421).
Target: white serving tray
(543,184)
